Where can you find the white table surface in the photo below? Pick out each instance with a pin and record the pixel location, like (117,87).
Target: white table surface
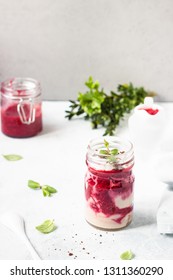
(57,157)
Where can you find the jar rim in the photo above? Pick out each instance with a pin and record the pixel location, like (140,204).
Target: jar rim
(20,87)
(125,154)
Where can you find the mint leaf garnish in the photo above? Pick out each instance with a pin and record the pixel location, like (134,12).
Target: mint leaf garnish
(47,227)
(46,189)
(110,154)
(103,152)
(127,255)
(106,143)
(12,157)
(114,152)
(112,159)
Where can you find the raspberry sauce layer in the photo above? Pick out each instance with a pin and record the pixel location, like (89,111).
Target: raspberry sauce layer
(109,196)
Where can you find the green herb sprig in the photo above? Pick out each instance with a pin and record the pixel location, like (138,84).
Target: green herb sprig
(106,110)
(46,189)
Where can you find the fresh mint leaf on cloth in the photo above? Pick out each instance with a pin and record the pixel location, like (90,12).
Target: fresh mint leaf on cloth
(47,227)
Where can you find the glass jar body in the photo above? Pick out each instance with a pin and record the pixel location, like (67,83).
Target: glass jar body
(109,190)
(21,107)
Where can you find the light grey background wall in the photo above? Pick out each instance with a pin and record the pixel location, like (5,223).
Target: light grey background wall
(62,42)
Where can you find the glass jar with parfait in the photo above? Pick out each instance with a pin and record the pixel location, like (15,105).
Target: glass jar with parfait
(109,183)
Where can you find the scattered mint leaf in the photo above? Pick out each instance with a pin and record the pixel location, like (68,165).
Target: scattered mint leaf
(46,189)
(47,227)
(45,192)
(12,157)
(49,189)
(33,185)
(127,255)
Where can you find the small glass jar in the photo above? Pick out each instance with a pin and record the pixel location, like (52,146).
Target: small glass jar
(109,183)
(21,114)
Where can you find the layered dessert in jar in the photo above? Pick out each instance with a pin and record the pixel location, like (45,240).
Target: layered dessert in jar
(109,183)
